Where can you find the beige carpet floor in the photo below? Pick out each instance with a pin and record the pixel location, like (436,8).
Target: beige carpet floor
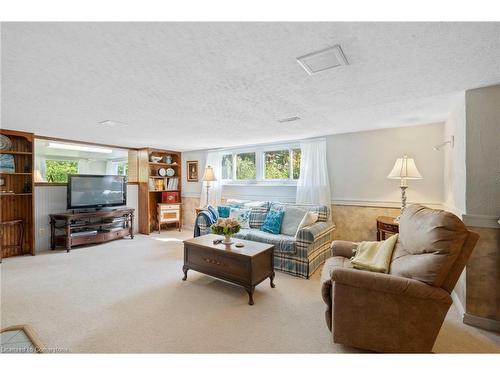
(128,296)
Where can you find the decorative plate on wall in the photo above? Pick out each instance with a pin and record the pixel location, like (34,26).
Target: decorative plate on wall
(5,143)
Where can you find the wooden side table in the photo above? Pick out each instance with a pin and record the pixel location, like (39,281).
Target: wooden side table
(386,225)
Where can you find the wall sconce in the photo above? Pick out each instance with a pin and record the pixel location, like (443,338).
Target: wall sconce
(451,142)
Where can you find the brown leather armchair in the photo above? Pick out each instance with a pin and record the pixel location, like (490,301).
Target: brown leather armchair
(401,311)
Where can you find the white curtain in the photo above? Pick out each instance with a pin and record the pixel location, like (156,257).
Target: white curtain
(214,159)
(41,167)
(112,167)
(84,167)
(313,186)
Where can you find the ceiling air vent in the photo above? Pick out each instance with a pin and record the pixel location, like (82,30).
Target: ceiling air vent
(325,59)
(289,119)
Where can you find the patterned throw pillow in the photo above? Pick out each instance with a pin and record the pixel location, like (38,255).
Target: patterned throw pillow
(258,216)
(223,211)
(243,217)
(273,221)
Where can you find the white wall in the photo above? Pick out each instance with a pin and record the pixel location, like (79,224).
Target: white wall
(359,163)
(358,166)
(454,159)
(192,189)
(52,199)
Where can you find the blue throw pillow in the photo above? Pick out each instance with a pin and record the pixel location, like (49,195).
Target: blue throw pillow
(224,211)
(273,221)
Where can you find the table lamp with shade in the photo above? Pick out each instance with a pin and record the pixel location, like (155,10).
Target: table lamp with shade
(208,177)
(404,169)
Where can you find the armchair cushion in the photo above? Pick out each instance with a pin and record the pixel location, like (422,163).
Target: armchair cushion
(428,245)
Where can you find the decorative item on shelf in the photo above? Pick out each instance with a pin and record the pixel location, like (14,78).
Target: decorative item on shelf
(170,197)
(5,143)
(7,164)
(155,159)
(151,184)
(170,172)
(208,177)
(159,184)
(27,187)
(162,172)
(404,169)
(168,159)
(227,228)
(192,170)
(2,181)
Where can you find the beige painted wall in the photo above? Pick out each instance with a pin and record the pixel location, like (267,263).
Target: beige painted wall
(188,211)
(353,223)
(358,223)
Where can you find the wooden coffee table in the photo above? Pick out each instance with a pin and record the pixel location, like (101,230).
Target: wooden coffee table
(245,266)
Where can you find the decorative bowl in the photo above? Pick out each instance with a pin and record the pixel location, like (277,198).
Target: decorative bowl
(155,159)
(5,142)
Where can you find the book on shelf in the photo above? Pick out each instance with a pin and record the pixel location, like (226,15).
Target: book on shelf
(173,183)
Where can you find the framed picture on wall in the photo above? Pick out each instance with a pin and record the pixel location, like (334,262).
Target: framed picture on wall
(192,170)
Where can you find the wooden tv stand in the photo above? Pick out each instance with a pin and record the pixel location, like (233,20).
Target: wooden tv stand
(81,228)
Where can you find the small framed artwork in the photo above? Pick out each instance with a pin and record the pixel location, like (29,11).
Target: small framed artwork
(192,170)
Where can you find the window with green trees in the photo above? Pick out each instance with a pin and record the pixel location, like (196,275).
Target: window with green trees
(123,169)
(246,168)
(58,170)
(296,163)
(281,164)
(277,165)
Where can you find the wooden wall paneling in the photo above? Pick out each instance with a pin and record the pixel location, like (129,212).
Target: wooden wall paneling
(143,208)
(133,167)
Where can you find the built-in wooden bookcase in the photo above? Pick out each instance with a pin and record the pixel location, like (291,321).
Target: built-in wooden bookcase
(17,195)
(152,185)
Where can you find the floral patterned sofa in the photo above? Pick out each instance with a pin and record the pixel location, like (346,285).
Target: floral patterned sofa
(299,255)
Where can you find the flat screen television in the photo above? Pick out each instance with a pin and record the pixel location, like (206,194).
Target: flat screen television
(96,191)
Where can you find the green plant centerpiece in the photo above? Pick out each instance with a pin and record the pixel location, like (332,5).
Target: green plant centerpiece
(226,228)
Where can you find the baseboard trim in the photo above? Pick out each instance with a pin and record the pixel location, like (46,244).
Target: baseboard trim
(480,322)
(458,303)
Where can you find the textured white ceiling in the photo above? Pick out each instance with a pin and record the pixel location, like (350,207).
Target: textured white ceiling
(202,85)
